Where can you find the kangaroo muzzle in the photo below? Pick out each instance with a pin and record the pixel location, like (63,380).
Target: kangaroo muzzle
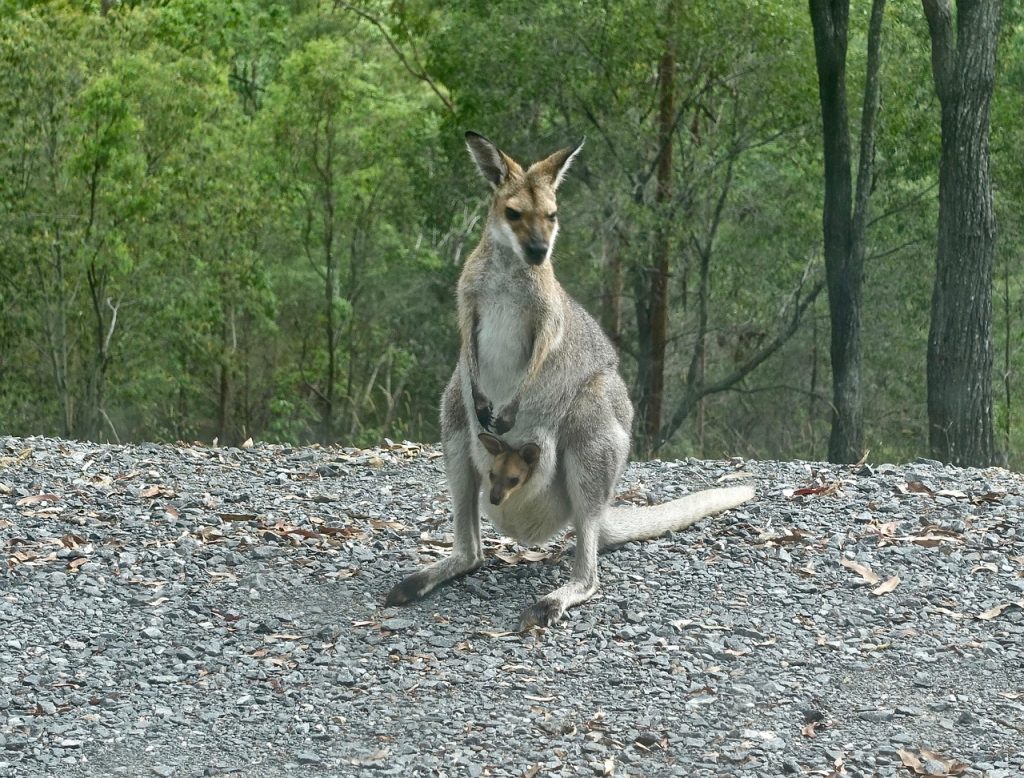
(535,251)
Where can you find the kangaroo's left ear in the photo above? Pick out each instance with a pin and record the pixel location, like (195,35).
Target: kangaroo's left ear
(530,454)
(557,165)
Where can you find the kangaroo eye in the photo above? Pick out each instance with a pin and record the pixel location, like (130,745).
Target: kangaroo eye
(552,217)
(513,481)
(491,476)
(512,214)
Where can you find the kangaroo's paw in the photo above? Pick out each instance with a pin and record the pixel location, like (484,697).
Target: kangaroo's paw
(410,589)
(543,613)
(485,416)
(506,418)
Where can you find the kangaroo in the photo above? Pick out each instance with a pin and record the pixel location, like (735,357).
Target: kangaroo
(535,367)
(511,468)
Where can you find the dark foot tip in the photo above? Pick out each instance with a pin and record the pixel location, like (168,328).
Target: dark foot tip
(543,613)
(407,591)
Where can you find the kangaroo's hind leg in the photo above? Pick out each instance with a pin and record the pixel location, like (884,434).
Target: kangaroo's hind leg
(593,459)
(464,486)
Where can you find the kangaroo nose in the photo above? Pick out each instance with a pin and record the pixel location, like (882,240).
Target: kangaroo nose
(536,251)
(495,498)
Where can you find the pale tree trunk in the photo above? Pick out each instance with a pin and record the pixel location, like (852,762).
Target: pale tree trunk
(960,356)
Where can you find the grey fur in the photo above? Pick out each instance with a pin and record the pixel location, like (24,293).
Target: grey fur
(544,372)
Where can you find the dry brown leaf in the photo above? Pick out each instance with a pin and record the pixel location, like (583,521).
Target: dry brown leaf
(74,564)
(36,499)
(248,443)
(978,499)
(918,487)
(996,612)
(863,571)
(809,729)
(817,491)
(532,771)
(534,698)
(156,490)
(387,524)
(987,567)
(910,760)
(887,587)
(739,475)
(237,516)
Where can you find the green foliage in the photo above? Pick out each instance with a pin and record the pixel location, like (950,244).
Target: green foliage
(226,219)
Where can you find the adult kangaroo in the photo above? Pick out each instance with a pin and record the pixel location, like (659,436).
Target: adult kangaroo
(536,369)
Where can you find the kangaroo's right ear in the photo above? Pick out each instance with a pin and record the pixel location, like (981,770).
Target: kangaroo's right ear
(494,445)
(493,163)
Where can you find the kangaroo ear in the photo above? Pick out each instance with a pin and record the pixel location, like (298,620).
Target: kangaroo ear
(493,163)
(494,446)
(557,165)
(530,454)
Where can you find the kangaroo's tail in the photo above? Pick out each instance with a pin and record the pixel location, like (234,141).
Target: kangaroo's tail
(622,525)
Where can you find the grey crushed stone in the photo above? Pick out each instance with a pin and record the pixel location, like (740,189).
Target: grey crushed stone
(187,611)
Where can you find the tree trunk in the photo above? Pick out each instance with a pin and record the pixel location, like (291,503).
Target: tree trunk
(652,378)
(844,223)
(960,357)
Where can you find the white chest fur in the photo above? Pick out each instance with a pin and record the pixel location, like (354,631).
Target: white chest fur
(503,349)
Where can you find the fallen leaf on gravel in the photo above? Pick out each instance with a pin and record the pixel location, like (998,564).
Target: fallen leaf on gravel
(739,475)
(35,499)
(156,490)
(248,443)
(910,760)
(789,536)
(863,571)
(342,574)
(955,494)
(283,636)
(808,730)
(817,491)
(386,524)
(913,763)
(987,567)
(526,555)
(532,771)
(990,497)
(927,541)
(24,454)
(1011,695)
(237,516)
(74,564)
(73,541)
(915,487)
(888,586)
(535,698)
(997,611)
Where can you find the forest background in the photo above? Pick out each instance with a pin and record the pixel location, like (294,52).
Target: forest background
(223,220)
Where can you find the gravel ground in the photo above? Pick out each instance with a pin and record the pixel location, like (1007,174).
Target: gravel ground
(184,611)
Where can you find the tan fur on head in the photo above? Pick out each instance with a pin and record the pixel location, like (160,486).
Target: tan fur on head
(511,468)
(524,214)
